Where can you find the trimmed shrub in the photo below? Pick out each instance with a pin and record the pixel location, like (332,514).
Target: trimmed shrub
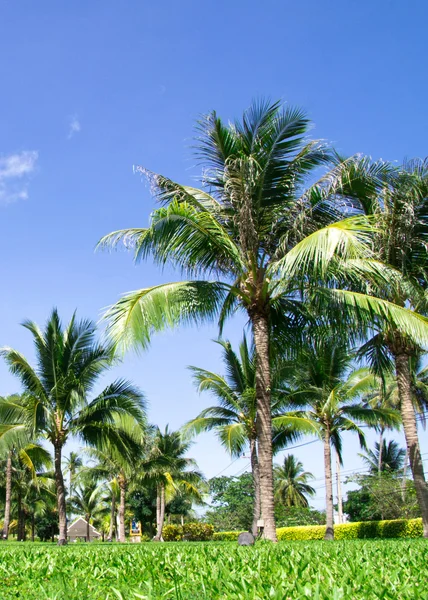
(226,536)
(305,532)
(190,532)
(365,530)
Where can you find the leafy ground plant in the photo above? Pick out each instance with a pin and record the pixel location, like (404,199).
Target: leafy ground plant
(381,569)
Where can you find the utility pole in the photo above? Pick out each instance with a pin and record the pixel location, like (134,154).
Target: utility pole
(339,491)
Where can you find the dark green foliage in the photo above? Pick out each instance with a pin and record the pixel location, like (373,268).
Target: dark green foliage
(381,497)
(190,532)
(296,515)
(232,499)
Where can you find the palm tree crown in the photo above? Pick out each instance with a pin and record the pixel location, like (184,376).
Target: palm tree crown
(291,483)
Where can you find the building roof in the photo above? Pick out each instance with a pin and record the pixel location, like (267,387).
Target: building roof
(78,529)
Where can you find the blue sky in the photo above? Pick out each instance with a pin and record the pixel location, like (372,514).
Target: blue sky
(91,88)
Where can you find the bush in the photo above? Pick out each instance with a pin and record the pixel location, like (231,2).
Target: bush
(309,532)
(411,528)
(191,532)
(226,536)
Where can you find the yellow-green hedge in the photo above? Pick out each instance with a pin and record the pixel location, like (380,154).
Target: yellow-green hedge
(411,528)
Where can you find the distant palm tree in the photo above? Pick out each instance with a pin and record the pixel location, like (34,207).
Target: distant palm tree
(325,383)
(22,455)
(250,239)
(291,483)
(172,472)
(69,363)
(235,418)
(87,500)
(72,464)
(390,457)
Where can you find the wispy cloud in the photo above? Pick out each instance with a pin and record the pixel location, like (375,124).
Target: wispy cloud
(14,172)
(73,126)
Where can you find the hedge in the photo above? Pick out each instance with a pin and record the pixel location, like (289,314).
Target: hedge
(410,528)
(191,532)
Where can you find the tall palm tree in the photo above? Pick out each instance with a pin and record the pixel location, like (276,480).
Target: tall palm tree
(73,462)
(325,383)
(172,472)
(57,405)
(392,457)
(257,230)
(397,198)
(291,483)
(235,418)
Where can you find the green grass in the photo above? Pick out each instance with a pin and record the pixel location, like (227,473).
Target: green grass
(350,570)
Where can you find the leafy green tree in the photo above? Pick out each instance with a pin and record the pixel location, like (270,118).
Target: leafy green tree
(397,198)
(259,233)
(232,500)
(324,383)
(291,483)
(235,418)
(296,516)
(69,363)
(381,497)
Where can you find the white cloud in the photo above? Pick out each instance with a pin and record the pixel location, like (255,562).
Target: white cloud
(73,126)
(14,172)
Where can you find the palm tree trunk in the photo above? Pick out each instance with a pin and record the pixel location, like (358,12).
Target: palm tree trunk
(112,516)
(158,504)
(404,481)
(379,461)
(256,484)
(339,491)
(329,531)
(264,423)
(182,520)
(8,496)
(158,536)
(402,367)
(88,529)
(33,526)
(19,509)
(122,487)
(60,495)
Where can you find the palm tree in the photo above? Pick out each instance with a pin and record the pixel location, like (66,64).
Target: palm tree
(172,472)
(291,483)
(260,233)
(390,456)
(397,198)
(116,469)
(87,500)
(325,383)
(235,418)
(72,464)
(23,456)
(69,363)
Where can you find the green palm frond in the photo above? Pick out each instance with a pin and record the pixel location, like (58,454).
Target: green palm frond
(138,314)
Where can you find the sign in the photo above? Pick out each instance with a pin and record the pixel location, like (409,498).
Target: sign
(135,528)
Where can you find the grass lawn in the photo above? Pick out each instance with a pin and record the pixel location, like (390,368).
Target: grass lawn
(350,570)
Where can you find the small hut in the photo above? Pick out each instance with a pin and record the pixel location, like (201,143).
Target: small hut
(82,530)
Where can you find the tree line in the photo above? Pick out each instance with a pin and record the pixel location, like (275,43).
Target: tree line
(327,257)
